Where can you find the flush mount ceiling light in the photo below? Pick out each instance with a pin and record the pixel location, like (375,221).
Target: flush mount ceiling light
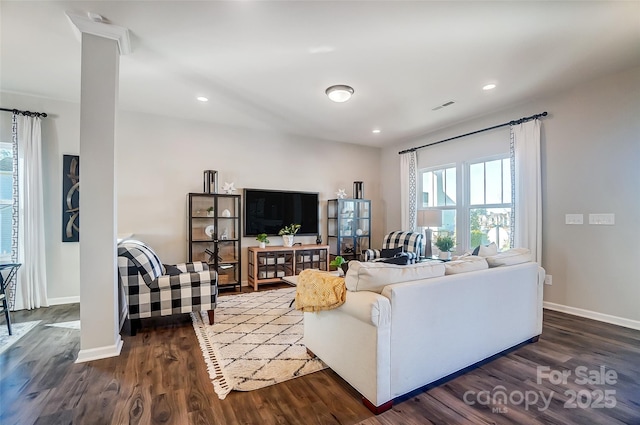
(489,87)
(339,93)
(202,99)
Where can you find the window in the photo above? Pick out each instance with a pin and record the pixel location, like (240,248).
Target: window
(474,196)
(438,190)
(489,209)
(6,200)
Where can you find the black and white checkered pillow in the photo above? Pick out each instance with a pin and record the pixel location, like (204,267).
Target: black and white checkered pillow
(148,263)
(410,241)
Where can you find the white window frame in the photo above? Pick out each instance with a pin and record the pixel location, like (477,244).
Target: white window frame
(463,205)
(467,199)
(456,207)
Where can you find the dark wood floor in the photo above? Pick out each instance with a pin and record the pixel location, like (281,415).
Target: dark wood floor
(160,378)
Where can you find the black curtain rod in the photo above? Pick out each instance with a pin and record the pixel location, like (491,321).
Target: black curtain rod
(520,121)
(27,113)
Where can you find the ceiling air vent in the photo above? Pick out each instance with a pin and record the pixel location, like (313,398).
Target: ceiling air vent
(451,102)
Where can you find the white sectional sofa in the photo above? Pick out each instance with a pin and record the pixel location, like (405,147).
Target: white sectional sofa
(404,327)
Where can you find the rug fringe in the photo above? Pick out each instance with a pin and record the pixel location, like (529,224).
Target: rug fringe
(221,383)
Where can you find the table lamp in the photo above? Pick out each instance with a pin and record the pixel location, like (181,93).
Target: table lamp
(428,219)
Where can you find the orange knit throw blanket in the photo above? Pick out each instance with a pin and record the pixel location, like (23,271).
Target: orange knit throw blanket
(318,290)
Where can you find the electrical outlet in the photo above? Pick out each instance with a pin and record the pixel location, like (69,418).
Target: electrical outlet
(573,218)
(548,280)
(606,219)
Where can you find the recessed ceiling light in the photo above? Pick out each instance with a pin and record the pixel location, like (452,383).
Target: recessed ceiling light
(489,87)
(339,93)
(321,49)
(202,99)
(376,131)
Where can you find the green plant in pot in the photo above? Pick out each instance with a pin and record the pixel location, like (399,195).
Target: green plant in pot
(340,262)
(287,233)
(445,244)
(210,212)
(263,239)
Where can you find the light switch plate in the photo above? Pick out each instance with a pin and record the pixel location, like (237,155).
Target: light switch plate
(548,280)
(602,219)
(573,218)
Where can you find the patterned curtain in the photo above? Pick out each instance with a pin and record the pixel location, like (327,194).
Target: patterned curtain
(512,221)
(409,188)
(15,217)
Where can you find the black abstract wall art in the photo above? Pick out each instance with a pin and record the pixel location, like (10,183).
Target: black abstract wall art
(70,198)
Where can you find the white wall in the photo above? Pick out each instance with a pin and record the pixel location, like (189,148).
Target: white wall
(590,153)
(60,135)
(160,159)
(590,164)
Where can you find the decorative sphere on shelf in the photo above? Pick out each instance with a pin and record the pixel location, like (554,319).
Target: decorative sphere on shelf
(359,232)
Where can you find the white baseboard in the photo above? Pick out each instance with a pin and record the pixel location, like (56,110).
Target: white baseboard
(100,352)
(601,317)
(63,300)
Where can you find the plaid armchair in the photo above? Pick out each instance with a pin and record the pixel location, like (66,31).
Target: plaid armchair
(411,243)
(153,289)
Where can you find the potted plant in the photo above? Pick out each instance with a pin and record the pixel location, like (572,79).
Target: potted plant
(262,238)
(288,232)
(340,263)
(445,244)
(210,212)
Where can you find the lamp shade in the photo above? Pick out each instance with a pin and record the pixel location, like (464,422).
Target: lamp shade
(429,218)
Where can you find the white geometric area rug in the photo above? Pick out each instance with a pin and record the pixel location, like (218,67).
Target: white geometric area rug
(256,341)
(18,330)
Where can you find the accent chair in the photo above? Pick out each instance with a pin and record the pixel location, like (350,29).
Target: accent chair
(154,289)
(411,243)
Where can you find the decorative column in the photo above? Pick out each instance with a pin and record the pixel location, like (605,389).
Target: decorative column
(102,45)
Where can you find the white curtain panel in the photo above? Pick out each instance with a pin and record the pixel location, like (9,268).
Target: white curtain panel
(31,288)
(528,191)
(408,190)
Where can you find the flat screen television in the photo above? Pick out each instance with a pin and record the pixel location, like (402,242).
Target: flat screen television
(268,211)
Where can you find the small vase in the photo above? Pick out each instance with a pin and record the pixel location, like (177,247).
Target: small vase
(444,255)
(287,240)
(262,244)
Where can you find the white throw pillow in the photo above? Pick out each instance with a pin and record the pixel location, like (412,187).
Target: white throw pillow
(466,264)
(510,257)
(486,251)
(374,277)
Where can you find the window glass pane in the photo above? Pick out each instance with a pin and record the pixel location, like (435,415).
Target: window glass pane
(476,183)
(450,189)
(438,177)
(438,188)
(427,190)
(448,227)
(493,170)
(506,181)
(448,222)
(490,225)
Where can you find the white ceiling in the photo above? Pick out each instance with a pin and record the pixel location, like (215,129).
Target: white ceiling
(265,65)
